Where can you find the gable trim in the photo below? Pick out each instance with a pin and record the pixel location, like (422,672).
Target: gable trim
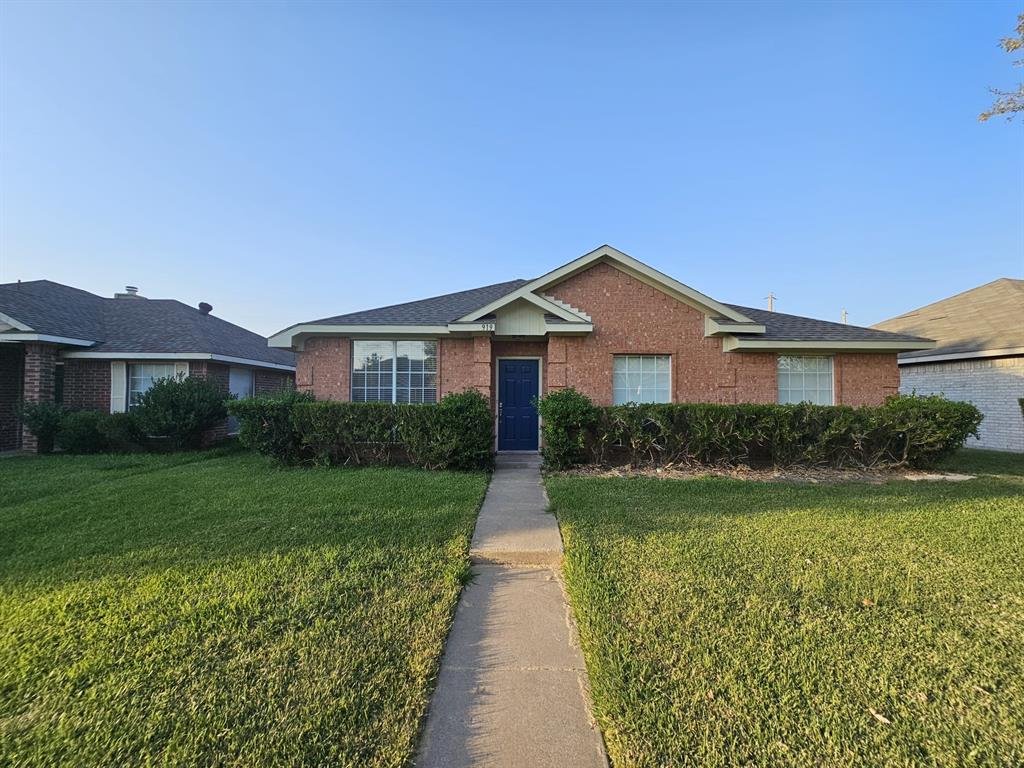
(559,309)
(625,263)
(44,337)
(15,324)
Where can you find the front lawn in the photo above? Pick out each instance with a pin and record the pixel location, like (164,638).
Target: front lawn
(737,623)
(209,609)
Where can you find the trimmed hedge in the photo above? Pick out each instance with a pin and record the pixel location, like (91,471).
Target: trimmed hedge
(905,431)
(457,433)
(182,408)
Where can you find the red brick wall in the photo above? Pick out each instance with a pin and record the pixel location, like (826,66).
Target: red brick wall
(87,384)
(865,378)
(40,361)
(218,373)
(268,381)
(324,368)
(465,364)
(12,357)
(631,317)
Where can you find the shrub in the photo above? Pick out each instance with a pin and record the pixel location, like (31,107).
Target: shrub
(181,408)
(567,416)
(82,432)
(123,433)
(43,421)
(265,423)
(905,431)
(457,433)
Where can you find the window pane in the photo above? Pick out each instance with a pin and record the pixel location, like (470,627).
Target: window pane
(641,379)
(141,377)
(394,371)
(805,379)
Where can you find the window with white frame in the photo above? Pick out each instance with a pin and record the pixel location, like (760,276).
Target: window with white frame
(805,379)
(141,377)
(394,371)
(642,379)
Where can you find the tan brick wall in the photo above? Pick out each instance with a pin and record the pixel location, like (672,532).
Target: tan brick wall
(323,368)
(631,317)
(865,378)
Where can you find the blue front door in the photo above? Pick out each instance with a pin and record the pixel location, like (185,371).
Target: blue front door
(517,414)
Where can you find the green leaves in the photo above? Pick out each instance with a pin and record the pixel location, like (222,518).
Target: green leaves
(457,433)
(906,431)
(182,408)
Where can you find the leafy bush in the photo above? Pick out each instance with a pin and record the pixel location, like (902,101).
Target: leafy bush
(182,408)
(457,433)
(43,421)
(567,416)
(123,433)
(265,423)
(82,432)
(905,431)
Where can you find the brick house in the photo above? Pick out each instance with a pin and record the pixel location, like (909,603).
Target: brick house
(978,357)
(606,324)
(59,343)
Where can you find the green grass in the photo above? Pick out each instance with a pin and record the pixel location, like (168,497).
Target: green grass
(737,623)
(209,609)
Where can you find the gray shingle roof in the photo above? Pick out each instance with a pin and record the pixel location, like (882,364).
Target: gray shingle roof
(441,310)
(134,325)
(438,310)
(983,319)
(782,327)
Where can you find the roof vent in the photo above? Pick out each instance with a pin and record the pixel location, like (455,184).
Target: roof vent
(130,292)
(205,308)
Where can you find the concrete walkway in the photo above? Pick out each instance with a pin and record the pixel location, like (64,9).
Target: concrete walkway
(512,692)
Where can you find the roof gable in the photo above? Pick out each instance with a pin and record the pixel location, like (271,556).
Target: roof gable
(620,260)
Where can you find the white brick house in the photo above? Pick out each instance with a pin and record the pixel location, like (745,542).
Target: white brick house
(979,357)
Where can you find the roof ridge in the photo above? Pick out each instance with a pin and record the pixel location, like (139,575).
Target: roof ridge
(18,283)
(517,282)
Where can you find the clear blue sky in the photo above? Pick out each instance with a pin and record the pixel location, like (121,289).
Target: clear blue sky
(290,161)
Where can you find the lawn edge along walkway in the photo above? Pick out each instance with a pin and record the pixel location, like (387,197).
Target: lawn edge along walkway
(512,689)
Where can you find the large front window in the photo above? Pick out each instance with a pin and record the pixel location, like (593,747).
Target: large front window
(141,377)
(805,379)
(394,371)
(641,379)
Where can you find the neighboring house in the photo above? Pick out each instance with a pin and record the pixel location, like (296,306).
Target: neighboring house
(979,357)
(606,324)
(59,343)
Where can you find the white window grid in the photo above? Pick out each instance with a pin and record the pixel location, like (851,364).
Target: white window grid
(641,379)
(141,377)
(394,371)
(806,379)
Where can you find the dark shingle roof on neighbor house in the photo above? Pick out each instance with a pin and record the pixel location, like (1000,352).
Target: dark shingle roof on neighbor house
(131,325)
(440,310)
(985,319)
